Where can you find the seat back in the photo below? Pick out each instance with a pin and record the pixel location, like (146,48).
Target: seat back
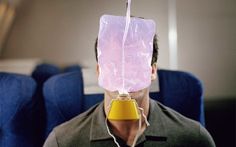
(63,94)
(91,99)
(17,113)
(44,71)
(41,74)
(182,92)
(72,68)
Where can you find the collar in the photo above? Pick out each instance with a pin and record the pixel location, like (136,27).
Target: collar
(98,129)
(155,118)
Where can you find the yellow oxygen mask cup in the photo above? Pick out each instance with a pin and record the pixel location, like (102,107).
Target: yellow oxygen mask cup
(123,108)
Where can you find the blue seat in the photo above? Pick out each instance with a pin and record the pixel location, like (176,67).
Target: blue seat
(44,71)
(65,99)
(73,68)
(91,99)
(63,95)
(183,92)
(17,113)
(41,74)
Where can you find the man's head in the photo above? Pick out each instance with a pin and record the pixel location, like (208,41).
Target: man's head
(141,93)
(137,66)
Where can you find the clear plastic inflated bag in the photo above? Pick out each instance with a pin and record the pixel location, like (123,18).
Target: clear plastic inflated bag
(125,66)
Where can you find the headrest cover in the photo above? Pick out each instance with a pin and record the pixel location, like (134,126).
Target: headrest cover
(137,55)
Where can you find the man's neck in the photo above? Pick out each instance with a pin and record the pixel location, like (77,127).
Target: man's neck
(127,129)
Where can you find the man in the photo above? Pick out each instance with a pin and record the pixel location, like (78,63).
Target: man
(167,127)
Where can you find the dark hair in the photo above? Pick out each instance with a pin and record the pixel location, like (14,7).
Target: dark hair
(154,53)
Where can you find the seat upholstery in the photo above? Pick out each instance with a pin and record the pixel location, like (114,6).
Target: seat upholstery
(17,114)
(65,99)
(63,95)
(44,71)
(183,92)
(73,68)
(91,99)
(41,74)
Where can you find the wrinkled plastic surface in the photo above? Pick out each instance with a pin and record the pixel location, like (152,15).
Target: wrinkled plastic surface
(138,50)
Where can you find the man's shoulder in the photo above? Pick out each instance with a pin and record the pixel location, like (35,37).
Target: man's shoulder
(80,120)
(183,129)
(76,128)
(170,115)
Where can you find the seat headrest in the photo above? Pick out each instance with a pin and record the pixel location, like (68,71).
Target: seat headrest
(16,92)
(183,92)
(64,93)
(44,71)
(17,113)
(73,68)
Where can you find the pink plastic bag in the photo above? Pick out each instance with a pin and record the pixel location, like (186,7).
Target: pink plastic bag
(135,74)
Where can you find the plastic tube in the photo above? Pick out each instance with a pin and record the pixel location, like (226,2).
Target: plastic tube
(124,91)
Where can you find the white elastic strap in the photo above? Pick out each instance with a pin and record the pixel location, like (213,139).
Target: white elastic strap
(139,125)
(138,132)
(145,118)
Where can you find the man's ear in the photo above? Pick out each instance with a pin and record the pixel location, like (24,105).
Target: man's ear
(97,70)
(154,72)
